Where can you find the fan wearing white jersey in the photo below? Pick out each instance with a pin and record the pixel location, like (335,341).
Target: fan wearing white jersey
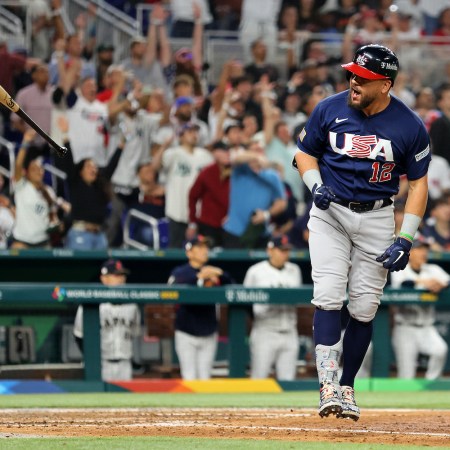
(274,338)
(119,324)
(414,331)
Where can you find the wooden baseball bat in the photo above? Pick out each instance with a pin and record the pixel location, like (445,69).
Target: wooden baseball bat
(8,102)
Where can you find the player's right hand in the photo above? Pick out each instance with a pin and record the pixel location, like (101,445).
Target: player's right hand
(322,196)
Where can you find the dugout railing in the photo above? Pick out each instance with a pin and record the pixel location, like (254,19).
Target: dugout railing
(237,298)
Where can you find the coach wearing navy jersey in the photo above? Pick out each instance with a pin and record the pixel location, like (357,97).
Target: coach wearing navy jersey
(196,325)
(353,149)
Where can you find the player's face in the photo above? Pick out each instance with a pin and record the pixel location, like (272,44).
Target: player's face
(278,256)
(363,92)
(198,255)
(113,279)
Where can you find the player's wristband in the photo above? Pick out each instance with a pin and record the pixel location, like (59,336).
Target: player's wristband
(410,225)
(312,177)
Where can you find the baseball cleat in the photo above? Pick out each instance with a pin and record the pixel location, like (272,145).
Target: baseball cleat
(350,409)
(330,400)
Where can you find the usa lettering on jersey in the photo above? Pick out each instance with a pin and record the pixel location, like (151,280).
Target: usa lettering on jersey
(357,146)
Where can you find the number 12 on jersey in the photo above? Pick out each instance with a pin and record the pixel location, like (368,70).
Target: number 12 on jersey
(381,172)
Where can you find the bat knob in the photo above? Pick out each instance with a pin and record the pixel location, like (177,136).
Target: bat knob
(61,151)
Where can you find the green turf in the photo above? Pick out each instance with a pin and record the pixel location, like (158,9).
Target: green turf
(159,443)
(304,399)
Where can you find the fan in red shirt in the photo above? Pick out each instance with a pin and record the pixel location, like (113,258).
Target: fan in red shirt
(209,197)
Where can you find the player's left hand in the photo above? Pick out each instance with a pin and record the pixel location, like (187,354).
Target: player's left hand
(396,256)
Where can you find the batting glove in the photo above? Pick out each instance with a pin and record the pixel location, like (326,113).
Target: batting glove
(396,257)
(322,196)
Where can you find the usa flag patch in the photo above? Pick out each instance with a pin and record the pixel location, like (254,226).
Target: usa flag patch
(302,135)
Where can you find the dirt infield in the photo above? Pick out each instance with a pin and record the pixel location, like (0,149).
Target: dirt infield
(413,427)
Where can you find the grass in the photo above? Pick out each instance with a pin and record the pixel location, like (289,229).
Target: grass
(305,399)
(163,443)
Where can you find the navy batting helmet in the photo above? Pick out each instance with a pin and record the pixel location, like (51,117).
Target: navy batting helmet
(374,62)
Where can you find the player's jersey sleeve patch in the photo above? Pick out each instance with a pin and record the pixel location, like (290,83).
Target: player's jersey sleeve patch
(422,154)
(302,135)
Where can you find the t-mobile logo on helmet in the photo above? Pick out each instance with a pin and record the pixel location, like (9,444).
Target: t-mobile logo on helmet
(386,65)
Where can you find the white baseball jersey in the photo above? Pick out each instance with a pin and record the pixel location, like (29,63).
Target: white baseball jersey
(438,177)
(414,331)
(182,168)
(263,274)
(32,213)
(274,339)
(86,131)
(169,131)
(138,130)
(119,324)
(417,315)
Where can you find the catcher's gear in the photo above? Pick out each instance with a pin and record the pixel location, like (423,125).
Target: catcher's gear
(322,196)
(374,62)
(396,256)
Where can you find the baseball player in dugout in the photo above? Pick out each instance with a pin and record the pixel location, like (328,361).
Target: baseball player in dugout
(196,326)
(274,336)
(119,325)
(414,330)
(353,149)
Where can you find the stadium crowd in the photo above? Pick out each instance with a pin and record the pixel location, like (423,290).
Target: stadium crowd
(150,133)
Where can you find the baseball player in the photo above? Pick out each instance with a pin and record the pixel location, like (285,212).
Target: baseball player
(196,325)
(414,331)
(119,324)
(274,337)
(353,149)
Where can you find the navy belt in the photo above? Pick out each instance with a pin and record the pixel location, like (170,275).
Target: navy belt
(360,207)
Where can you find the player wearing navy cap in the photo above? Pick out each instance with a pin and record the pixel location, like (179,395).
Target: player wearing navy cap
(119,325)
(353,149)
(196,325)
